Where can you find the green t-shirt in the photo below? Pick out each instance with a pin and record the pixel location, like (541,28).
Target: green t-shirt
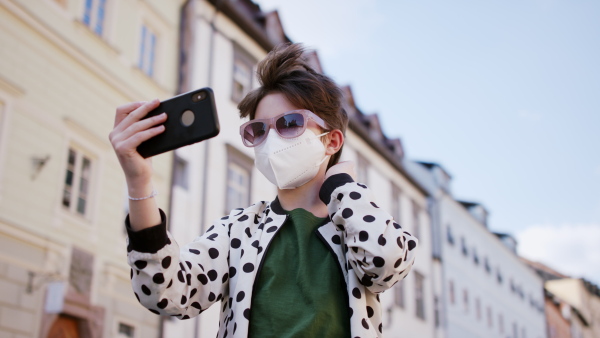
(300,291)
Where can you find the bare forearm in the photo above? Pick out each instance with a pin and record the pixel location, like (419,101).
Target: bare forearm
(142,213)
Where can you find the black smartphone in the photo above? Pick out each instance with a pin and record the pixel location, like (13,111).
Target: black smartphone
(191,117)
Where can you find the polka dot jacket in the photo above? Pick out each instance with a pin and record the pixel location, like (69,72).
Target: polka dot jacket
(372,250)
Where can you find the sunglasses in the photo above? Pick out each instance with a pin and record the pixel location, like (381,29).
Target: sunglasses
(288,125)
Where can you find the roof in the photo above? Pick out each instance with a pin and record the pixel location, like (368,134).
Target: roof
(265,28)
(369,129)
(544,271)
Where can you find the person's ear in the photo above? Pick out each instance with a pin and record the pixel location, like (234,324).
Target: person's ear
(335,141)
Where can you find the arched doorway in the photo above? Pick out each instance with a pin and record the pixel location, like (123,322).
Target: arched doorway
(64,327)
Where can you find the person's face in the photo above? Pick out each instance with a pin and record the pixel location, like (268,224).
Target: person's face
(276,104)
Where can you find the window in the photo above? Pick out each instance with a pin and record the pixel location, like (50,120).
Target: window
(489,316)
(463,245)
(499,276)
(436,311)
(362,169)
(449,235)
(125,331)
(478,308)
(475,257)
(180,173)
(396,192)
(466,300)
(243,64)
(419,297)
(486,264)
(515,330)
(501,323)
(451,292)
(76,192)
(416,210)
(147,51)
(93,15)
(238,183)
(399,294)
(239,168)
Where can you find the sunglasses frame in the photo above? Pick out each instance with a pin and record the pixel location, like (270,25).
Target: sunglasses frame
(270,122)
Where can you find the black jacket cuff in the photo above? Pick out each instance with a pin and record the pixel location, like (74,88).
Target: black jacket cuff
(148,240)
(332,183)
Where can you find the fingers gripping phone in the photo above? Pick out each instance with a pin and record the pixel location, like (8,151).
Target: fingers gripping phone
(191,118)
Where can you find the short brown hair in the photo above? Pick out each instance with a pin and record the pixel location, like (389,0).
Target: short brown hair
(285,71)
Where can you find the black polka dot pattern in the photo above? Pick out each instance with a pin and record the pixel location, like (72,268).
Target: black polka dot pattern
(213,253)
(158,278)
(163,303)
(222,264)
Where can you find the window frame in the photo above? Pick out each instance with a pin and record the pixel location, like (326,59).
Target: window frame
(449,235)
(91,22)
(451,292)
(399,299)
(150,69)
(416,218)
(463,245)
(396,210)
(77,135)
(241,55)
(125,321)
(419,295)
(243,161)
(362,169)
(181,172)
(80,154)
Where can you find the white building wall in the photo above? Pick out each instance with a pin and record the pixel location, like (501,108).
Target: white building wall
(526,314)
(196,208)
(400,322)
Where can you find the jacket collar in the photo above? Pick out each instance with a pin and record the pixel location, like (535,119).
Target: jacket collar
(276,207)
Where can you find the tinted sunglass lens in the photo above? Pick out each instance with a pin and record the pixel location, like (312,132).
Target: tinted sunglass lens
(254,133)
(290,125)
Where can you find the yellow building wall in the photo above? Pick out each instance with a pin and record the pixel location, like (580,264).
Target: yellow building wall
(59,86)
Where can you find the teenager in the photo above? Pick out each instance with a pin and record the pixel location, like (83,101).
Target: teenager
(310,263)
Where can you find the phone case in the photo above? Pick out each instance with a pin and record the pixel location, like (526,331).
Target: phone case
(204,123)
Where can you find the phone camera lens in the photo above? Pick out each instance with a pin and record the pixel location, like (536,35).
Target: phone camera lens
(198,96)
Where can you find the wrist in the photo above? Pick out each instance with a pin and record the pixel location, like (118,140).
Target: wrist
(139,188)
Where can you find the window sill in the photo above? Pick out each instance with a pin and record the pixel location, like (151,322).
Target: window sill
(89,33)
(75,218)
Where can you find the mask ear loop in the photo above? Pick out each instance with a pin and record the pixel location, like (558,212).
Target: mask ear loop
(326,156)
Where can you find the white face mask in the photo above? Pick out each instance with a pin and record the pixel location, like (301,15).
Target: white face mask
(290,163)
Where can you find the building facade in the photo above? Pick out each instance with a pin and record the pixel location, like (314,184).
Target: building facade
(65,66)
(224,41)
(580,300)
(486,290)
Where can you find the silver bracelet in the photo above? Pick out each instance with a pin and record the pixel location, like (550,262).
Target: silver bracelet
(154,193)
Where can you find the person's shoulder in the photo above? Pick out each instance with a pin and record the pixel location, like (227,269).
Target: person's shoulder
(240,214)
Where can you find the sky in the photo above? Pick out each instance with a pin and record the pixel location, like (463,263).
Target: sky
(505,95)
